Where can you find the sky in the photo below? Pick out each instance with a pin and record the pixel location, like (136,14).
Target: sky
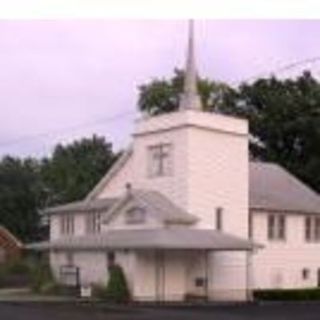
(62,80)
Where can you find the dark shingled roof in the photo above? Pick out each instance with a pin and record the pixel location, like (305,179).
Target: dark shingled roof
(274,188)
(271,187)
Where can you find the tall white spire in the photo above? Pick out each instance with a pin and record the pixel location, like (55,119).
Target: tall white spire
(190,99)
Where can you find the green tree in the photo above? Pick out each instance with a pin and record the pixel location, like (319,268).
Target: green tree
(284,116)
(117,288)
(74,169)
(20,196)
(161,96)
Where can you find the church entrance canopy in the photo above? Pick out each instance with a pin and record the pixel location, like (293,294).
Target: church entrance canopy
(142,239)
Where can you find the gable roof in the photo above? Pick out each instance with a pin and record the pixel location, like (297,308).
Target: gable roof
(5,233)
(162,238)
(118,165)
(82,206)
(156,204)
(271,187)
(274,188)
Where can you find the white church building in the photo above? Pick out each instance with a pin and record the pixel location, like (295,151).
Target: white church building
(186,214)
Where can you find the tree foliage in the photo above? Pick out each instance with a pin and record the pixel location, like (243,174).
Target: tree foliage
(284,116)
(74,169)
(161,96)
(28,185)
(19,196)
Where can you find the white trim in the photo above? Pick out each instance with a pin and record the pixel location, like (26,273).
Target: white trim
(110,174)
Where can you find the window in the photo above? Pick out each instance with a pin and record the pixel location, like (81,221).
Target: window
(135,215)
(200,282)
(93,222)
(67,224)
(281,227)
(308,230)
(271,227)
(305,274)
(219,212)
(317,229)
(276,227)
(312,229)
(111,258)
(160,160)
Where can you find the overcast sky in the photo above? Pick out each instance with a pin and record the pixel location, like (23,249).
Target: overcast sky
(63,80)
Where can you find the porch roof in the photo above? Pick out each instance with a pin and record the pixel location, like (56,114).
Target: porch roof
(82,206)
(144,239)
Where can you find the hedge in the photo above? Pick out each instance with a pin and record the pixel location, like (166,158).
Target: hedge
(287,294)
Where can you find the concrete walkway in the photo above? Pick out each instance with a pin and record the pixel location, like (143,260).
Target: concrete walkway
(26,295)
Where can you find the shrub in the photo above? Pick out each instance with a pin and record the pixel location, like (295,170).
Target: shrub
(287,294)
(18,266)
(117,289)
(42,278)
(50,287)
(99,291)
(15,273)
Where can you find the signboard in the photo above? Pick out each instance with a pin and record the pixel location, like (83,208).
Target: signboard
(70,275)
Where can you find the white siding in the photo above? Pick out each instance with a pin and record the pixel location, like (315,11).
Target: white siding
(229,276)
(54,227)
(119,222)
(173,186)
(79,225)
(280,263)
(210,170)
(210,166)
(218,177)
(93,265)
(117,185)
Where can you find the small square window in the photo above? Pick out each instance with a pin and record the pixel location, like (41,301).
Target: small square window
(199,282)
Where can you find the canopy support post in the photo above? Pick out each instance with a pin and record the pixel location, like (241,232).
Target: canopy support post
(249,275)
(206,276)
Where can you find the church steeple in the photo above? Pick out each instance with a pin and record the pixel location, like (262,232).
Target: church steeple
(190,99)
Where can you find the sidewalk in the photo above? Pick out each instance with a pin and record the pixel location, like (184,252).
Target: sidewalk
(25,295)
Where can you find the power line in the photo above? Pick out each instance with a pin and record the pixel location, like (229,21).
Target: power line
(129,113)
(281,69)
(66,129)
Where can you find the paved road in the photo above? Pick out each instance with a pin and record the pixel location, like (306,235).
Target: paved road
(68,311)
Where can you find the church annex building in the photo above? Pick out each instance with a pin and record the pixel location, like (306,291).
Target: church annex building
(185,213)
